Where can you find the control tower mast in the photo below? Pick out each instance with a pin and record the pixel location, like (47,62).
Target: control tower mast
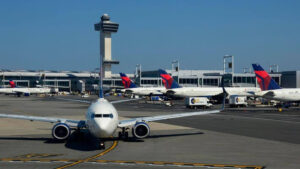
(106,28)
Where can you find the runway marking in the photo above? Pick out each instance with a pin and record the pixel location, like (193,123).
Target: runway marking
(115,143)
(158,163)
(38,155)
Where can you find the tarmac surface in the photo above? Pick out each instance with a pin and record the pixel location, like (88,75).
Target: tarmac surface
(235,138)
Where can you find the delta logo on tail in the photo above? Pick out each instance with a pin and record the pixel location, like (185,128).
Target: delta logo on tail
(12,84)
(168,81)
(126,81)
(263,78)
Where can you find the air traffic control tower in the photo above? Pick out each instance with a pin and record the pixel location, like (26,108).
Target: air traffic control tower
(106,28)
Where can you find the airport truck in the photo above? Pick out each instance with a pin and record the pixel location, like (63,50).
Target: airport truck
(197,102)
(238,101)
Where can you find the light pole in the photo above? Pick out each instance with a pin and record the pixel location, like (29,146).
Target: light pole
(138,69)
(173,67)
(230,65)
(272,68)
(3,78)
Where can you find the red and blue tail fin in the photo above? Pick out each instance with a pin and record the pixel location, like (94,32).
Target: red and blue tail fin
(263,78)
(168,81)
(126,81)
(12,84)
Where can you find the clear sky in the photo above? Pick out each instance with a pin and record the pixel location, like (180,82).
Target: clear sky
(59,35)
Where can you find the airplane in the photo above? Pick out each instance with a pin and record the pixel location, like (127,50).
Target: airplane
(271,90)
(23,90)
(173,89)
(131,88)
(102,120)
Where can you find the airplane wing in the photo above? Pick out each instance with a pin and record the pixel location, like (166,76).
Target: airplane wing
(75,100)
(130,122)
(71,123)
(86,101)
(269,94)
(121,101)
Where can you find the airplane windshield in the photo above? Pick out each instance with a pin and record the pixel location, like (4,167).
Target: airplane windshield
(103,115)
(98,115)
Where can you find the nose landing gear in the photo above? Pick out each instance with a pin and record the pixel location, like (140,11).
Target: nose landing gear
(123,135)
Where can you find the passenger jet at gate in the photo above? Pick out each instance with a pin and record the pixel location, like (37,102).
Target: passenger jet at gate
(24,90)
(131,88)
(271,90)
(175,90)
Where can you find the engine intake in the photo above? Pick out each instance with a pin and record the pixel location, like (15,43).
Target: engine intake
(61,131)
(140,130)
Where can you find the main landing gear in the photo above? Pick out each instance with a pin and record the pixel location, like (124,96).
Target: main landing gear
(123,135)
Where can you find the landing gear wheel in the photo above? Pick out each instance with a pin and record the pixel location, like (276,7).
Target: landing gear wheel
(126,135)
(123,135)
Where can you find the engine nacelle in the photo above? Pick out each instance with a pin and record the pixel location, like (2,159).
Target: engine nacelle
(61,131)
(141,130)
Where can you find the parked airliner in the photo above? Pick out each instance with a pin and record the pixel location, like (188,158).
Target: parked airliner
(24,90)
(175,90)
(131,88)
(271,90)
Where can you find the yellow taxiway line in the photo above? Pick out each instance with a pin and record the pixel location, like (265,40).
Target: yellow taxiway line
(43,158)
(115,143)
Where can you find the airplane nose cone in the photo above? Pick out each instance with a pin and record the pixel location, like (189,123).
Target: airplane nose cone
(104,129)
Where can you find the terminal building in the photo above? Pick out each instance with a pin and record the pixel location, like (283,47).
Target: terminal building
(73,81)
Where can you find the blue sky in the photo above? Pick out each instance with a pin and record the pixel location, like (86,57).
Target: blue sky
(59,35)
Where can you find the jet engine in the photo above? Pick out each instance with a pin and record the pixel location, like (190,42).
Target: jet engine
(61,131)
(140,130)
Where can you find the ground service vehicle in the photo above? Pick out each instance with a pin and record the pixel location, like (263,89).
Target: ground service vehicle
(238,101)
(197,102)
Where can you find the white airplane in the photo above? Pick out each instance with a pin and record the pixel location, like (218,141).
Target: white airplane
(131,88)
(102,121)
(24,90)
(175,90)
(271,90)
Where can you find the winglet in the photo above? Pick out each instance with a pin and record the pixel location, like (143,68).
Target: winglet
(168,81)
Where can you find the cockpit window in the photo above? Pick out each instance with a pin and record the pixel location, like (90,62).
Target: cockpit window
(98,115)
(103,115)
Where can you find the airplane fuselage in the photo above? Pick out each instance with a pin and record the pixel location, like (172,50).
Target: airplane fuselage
(102,119)
(25,90)
(146,91)
(285,95)
(211,91)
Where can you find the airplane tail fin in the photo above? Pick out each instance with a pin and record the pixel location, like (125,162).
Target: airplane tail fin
(12,84)
(126,81)
(263,78)
(168,81)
